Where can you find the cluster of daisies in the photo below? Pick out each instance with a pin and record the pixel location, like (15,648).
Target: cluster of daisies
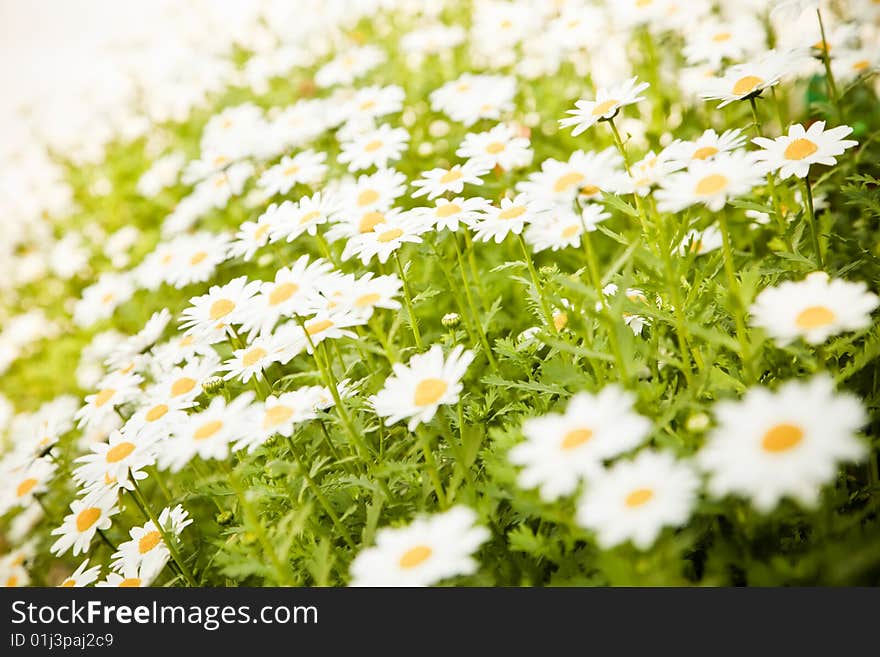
(297,233)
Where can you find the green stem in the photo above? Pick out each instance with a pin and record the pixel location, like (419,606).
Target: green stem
(618,142)
(545,306)
(826,60)
(409,307)
(470,303)
(475,273)
(433,472)
(166,537)
(814,228)
(771,177)
(735,298)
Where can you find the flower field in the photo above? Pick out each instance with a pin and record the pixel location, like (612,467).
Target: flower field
(488,293)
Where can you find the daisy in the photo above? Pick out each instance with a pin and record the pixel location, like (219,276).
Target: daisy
(470,97)
(99,301)
(293,291)
(362,204)
(305,216)
(562,449)
(448,214)
(146,549)
(253,359)
(197,258)
(131,577)
(699,242)
(563,228)
(208,433)
(374,148)
(22,483)
(141,341)
(789,10)
(396,229)
(114,390)
(585,175)
(348,66)
(216,190)
(511,217)
(787,443)
(425,552)
(112,463)
(416,390)
(280,415)
(498,147)
(813,309)
(648,172)
(705,147)
(87,516)
(375,101)
(634,500)
(179,387)
(750,79)
(361,296)
(712,183)
(325,325)
(82,576)
(307,167)
(224,305)
(253,235)
(608,103)
(715,40)
(154,416)
(438,182)
(635,322)
(794,153)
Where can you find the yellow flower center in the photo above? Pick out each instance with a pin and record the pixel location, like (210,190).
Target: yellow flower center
(447,210)
(107,298)
(182,386)
(309,216)
(221,308)
(292,170)
(208,429)
(712,184)
(367,197)
(782,438)
(318,326)
(368,104)
(156,413)
(373,146)
(512,212)
(187,340)
(11,581)
(576,437)
(415,556)
(428,391)
(370,220)
(198,257)
(148,542)
(799,149)
(118,452)
(567,181)
(746,85)
(450,177)
(814,317)
(590,190)
(87,517)
(705,152)
(131,582)
(367,300)
(861,65)
(282,292)
(104,396)
(721,37)
(389,235)
(605,106)
(495,147)
(68,583)
(639,497)
(276,415)
(26,487)
(571,231)
(252,356)
(260,233)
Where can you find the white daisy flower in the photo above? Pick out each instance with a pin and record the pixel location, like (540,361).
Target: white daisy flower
(305,216)
(361,296)
(252,360)
(789,10)
(635,322)
(112,463)
(99,301)
(705,147)
(280,415)
(787,443)
(711,182)
(396,229)
(224,305)
(22,483)
(125,352)
(154,416)
(131,577)
(715,40)
(146,550)
(470,97)
(294,291)
(634,500)
(324,325)
(448,214)
(498,147)
(439,181)
(563,228)
(585,175)
(375,101)
(751,78)
(427,551)
(375,148)
(254,235)
(179,387)
(608,102)
(703,241)
(813,309)
(350,65)
(563,449)
(511,217)
(87,516)
(208,433)
(197,258)
(416,390)
(306,167)
(794,153)
(113,390)
(82,576)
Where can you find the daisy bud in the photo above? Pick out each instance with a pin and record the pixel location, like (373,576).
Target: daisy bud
(548,270)
(213,385)
(224,518)
(451,320)
(697,423)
